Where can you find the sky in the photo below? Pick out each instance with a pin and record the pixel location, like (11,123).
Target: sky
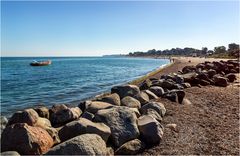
(96,28)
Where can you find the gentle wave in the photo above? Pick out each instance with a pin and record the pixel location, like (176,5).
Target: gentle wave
(67,80)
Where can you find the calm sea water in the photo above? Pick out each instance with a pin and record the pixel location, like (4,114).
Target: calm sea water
(67,80)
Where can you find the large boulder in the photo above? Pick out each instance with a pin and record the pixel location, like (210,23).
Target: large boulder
(122,123)
(167,84)
(175,95)
(83,126)
(86,144)
(211,73)
(150,130)
(61,114)
(130,148)
(113,99)
(150,94)
(154,114)
(220,81)
(142,98)
(42,112)
(188,69)
(157,90)
(126,90)
(87,115)
(157,106)
(94,106)
(145,84)
(43,123)
(26,139)
(53,132)
(28,116)
(130,102)
(231,77)
(83,105)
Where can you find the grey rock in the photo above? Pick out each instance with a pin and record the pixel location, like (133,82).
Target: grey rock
(220,81)
(157,90)
(150,94)
(153,113)
(150,130)
(157,106)
(231,77)
(86,144)
(130,102)
(131,147)
(42,112)
(95,106)
(113,99)
(126,90)
(122,123)
(61,114)
(87,115)
(142,98)
(28,116)
(83,126)
(145,84)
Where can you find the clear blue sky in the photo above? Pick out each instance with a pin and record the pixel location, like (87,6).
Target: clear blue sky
(97,28)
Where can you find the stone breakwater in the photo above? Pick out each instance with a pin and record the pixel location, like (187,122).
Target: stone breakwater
(124,122)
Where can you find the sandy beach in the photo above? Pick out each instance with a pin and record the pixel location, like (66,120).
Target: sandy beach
(208,124)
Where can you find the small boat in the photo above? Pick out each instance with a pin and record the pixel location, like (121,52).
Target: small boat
(41,63)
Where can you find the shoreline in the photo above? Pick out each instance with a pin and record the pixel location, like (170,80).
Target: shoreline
(186,116)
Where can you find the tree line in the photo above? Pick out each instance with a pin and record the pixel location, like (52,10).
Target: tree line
(232,51)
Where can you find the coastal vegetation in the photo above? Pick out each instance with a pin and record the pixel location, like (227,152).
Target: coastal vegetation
(219,52)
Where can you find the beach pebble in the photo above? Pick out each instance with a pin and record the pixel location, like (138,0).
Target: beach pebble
(122,123)
(130,102)
(85,144)
(113,99)
(157,106)
(173,127)
(28,116)
(126,90)
(150,130)
(131,147)
(83,126)
(26,139)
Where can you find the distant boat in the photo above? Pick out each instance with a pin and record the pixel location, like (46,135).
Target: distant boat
(41,63)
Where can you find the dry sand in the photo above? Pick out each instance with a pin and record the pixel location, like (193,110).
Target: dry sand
(208,125)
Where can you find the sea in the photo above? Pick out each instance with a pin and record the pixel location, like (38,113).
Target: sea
(67,80)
